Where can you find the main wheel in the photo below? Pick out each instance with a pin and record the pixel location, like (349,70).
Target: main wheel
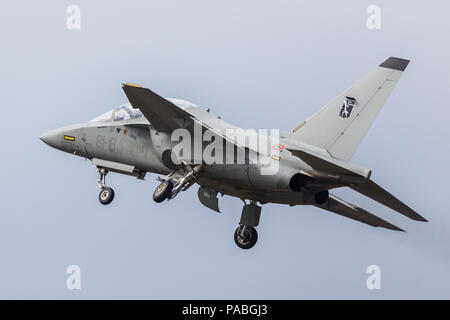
(106,195)
(162,191)
(248,239)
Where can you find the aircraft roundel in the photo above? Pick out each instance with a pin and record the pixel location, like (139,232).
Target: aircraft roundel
(278,147)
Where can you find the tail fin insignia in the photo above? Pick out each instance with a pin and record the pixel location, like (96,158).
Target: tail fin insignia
(347,107)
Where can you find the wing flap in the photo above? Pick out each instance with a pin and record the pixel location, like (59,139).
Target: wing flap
(343,208)
(377,193)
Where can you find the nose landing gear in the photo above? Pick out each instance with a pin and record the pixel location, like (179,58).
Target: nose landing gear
(106,194)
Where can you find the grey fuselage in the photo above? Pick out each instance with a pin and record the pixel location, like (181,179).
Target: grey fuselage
(295,168)
(138,144)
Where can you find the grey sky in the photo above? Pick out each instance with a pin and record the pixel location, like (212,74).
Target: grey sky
(265,64)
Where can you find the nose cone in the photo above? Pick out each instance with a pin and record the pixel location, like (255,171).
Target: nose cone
(66,139)
(52,138)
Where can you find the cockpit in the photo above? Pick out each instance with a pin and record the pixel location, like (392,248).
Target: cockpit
(127,112)
(122,113)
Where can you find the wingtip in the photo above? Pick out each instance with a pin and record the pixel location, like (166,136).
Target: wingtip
(390,226)
(128,84)
(416,217)
(395,63)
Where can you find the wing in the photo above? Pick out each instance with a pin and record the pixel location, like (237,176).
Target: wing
(161,113)
(377,193)
(343,208)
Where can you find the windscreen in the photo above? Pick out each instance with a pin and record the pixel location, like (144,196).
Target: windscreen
(122,113)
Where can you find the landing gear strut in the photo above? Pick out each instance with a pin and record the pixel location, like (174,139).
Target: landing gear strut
(245,235)
(106,194)
(170,186)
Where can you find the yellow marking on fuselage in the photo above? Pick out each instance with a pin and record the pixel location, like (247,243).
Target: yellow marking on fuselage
(70,138)
(276,158)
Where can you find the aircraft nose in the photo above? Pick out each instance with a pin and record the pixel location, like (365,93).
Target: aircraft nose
(52,138)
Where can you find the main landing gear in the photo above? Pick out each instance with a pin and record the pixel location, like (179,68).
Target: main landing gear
(245,235)
(106,194)
(163,191)
(171,186)
(184,177)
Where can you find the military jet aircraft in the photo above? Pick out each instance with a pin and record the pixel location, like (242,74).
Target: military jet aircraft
(309,161)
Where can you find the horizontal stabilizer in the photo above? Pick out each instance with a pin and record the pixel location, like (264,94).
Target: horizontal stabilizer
(377,193)
(324,163)
(343,208)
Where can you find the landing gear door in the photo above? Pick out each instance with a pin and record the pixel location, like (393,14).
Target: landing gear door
(208,198)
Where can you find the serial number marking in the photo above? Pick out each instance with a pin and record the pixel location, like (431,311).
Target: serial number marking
(256,310)
(122,145)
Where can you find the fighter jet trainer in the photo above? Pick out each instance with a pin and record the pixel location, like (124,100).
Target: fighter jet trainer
(187,144)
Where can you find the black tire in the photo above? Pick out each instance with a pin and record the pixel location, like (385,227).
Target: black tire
(162,191)
(106,195)
(249,240)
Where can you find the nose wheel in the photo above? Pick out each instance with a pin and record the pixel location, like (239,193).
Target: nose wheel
(106,194)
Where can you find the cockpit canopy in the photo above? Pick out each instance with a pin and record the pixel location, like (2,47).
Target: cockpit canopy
(127,112)
(124,112)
